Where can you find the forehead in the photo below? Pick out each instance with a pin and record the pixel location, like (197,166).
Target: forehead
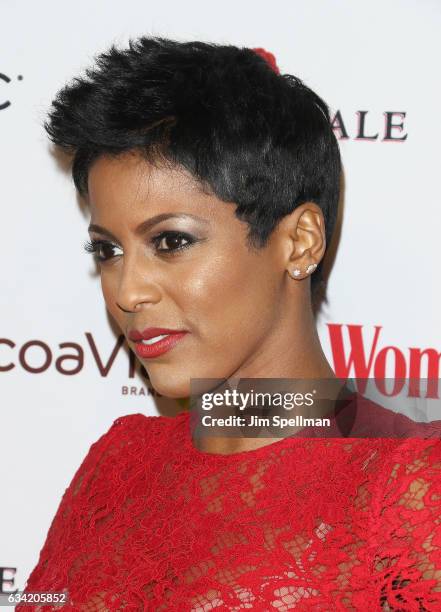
(130,180)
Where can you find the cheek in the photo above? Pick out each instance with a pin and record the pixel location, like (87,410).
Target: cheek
(223,299)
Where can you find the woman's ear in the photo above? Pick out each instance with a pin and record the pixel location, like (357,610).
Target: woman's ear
(303,232)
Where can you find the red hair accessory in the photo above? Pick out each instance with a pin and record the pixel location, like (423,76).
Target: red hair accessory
(268,57)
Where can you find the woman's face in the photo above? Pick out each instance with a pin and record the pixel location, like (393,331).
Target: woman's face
(192,271)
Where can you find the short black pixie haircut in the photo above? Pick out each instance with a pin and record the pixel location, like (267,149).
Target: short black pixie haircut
(252,136)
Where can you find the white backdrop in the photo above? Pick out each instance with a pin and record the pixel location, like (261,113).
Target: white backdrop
(380,57)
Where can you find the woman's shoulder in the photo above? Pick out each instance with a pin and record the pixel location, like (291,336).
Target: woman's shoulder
(117,466)
(138,420)
(142,429)
(146,430)
(403,539)
(131,439)
(363,417)
(410,477)
(413,458)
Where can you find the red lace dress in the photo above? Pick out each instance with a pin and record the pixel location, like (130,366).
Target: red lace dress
(149,522)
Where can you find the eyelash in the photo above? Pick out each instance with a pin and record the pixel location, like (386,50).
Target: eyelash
(92,246)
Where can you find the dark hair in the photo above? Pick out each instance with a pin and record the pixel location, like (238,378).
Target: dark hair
(257,138)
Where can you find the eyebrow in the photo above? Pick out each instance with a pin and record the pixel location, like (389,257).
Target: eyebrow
(146,225)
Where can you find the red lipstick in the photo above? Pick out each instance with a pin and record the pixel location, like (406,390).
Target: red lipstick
(172,337)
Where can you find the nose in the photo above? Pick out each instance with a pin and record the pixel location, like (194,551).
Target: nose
(137,286)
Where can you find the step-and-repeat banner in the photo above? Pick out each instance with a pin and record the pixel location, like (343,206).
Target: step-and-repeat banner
(65,372)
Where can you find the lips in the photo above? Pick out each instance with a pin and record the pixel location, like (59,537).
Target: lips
(172,337)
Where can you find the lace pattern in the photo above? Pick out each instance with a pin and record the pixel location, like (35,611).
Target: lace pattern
(151,523)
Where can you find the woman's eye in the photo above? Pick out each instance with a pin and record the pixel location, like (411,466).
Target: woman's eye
(165,243)
(168,242)
(101,249)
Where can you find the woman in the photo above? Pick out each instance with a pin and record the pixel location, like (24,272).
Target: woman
(213,184)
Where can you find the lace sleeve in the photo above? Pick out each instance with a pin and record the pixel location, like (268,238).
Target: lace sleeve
(51,574)
(404,551)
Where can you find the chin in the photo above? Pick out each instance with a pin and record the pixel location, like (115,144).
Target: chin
(170,386)
(176,384)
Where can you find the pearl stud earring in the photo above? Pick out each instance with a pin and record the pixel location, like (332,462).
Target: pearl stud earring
(296,272)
